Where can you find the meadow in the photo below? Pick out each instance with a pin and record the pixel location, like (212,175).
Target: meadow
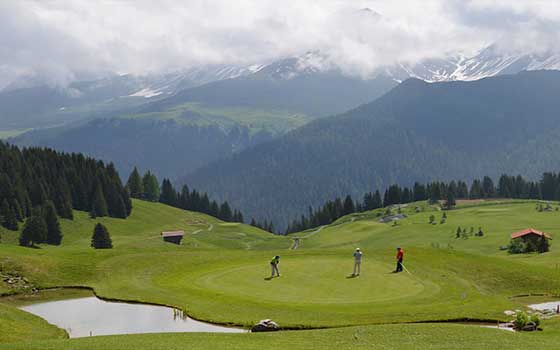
(219,274)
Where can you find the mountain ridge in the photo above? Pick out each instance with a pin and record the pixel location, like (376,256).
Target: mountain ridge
(416,132)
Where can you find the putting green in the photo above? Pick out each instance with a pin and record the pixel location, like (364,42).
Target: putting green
(312,280)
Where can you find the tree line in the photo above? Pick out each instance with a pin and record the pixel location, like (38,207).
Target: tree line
(32,177)
(147,187)
(547,188)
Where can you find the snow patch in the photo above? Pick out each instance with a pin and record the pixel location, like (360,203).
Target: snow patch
(146,93)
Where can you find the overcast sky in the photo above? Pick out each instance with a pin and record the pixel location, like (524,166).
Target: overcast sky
(63,40)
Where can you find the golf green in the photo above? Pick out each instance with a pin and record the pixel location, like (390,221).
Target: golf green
(313,279)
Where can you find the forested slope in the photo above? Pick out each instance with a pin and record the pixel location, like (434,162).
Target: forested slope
(416,132)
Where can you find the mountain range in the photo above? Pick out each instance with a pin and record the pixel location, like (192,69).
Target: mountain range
(176,123)
(418,131)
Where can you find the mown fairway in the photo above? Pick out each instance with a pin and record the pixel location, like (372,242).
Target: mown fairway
(219,274)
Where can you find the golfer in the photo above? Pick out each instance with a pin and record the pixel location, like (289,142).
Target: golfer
(357,262)
(400,257)
(274,266)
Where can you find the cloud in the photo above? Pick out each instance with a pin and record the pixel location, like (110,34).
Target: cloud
(66,40)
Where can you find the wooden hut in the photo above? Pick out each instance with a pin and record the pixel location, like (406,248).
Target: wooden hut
(530,240)
(530,234)
(173,236)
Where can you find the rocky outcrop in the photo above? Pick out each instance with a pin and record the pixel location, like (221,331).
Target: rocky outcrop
(16,282)
(265,326)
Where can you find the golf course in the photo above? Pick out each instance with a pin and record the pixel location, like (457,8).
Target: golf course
(221,274)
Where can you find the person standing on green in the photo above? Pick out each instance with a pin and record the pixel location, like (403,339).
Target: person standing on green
(357,262)
(274,266)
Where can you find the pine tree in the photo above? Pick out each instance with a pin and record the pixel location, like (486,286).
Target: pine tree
(240,217)
(135,185)
(450,201)
(54,234)
(99,205)
(34,231)
(348,206)
(214,209)
(480,233)
(476,190)
(38,194)
(225,212)
(168,194)
(151,187)
(377,202)
(9,219)
(101,238)
(419,192)
(488,189)
(458,234)
(115,204)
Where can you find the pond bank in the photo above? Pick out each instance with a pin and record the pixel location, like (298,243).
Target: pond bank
(81,315)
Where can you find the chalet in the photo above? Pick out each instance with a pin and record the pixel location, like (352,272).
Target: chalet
(528,241)
(173,236)
(530,234)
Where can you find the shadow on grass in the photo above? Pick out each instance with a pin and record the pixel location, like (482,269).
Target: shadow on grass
(352,276)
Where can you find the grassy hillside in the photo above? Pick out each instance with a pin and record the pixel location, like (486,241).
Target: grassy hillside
(219,274)
(275,122)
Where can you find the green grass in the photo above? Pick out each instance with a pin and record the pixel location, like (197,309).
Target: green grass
(273,121)
(219,274)
(387,337)
(16,325)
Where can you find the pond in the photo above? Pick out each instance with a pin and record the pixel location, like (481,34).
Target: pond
(91,316)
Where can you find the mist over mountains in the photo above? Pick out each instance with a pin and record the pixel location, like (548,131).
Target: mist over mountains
(183,125)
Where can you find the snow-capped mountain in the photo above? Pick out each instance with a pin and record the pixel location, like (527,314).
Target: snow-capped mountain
(486,63)
(170,83)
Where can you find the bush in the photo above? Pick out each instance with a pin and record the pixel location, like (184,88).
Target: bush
(536,320)
(516,246)
(521,320)
(432,219)
(480,233)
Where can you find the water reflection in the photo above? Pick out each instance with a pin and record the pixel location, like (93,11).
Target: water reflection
(92,316)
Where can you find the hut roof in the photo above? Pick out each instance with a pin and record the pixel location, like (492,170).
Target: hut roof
(529,231)
(172,233)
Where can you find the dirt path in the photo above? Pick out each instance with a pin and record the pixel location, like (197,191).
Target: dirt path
(210,228)
(295,245)
(314,232)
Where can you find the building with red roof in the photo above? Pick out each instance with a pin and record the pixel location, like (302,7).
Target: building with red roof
(529,240)
(528,232)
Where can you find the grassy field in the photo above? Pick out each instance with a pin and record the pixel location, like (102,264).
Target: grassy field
(220,274)
(273,121)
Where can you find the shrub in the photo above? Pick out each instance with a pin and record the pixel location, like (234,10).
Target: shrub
(521,320)
(516,246)
(535,319)
(432,219)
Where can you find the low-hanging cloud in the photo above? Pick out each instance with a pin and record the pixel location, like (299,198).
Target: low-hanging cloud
(61,41)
